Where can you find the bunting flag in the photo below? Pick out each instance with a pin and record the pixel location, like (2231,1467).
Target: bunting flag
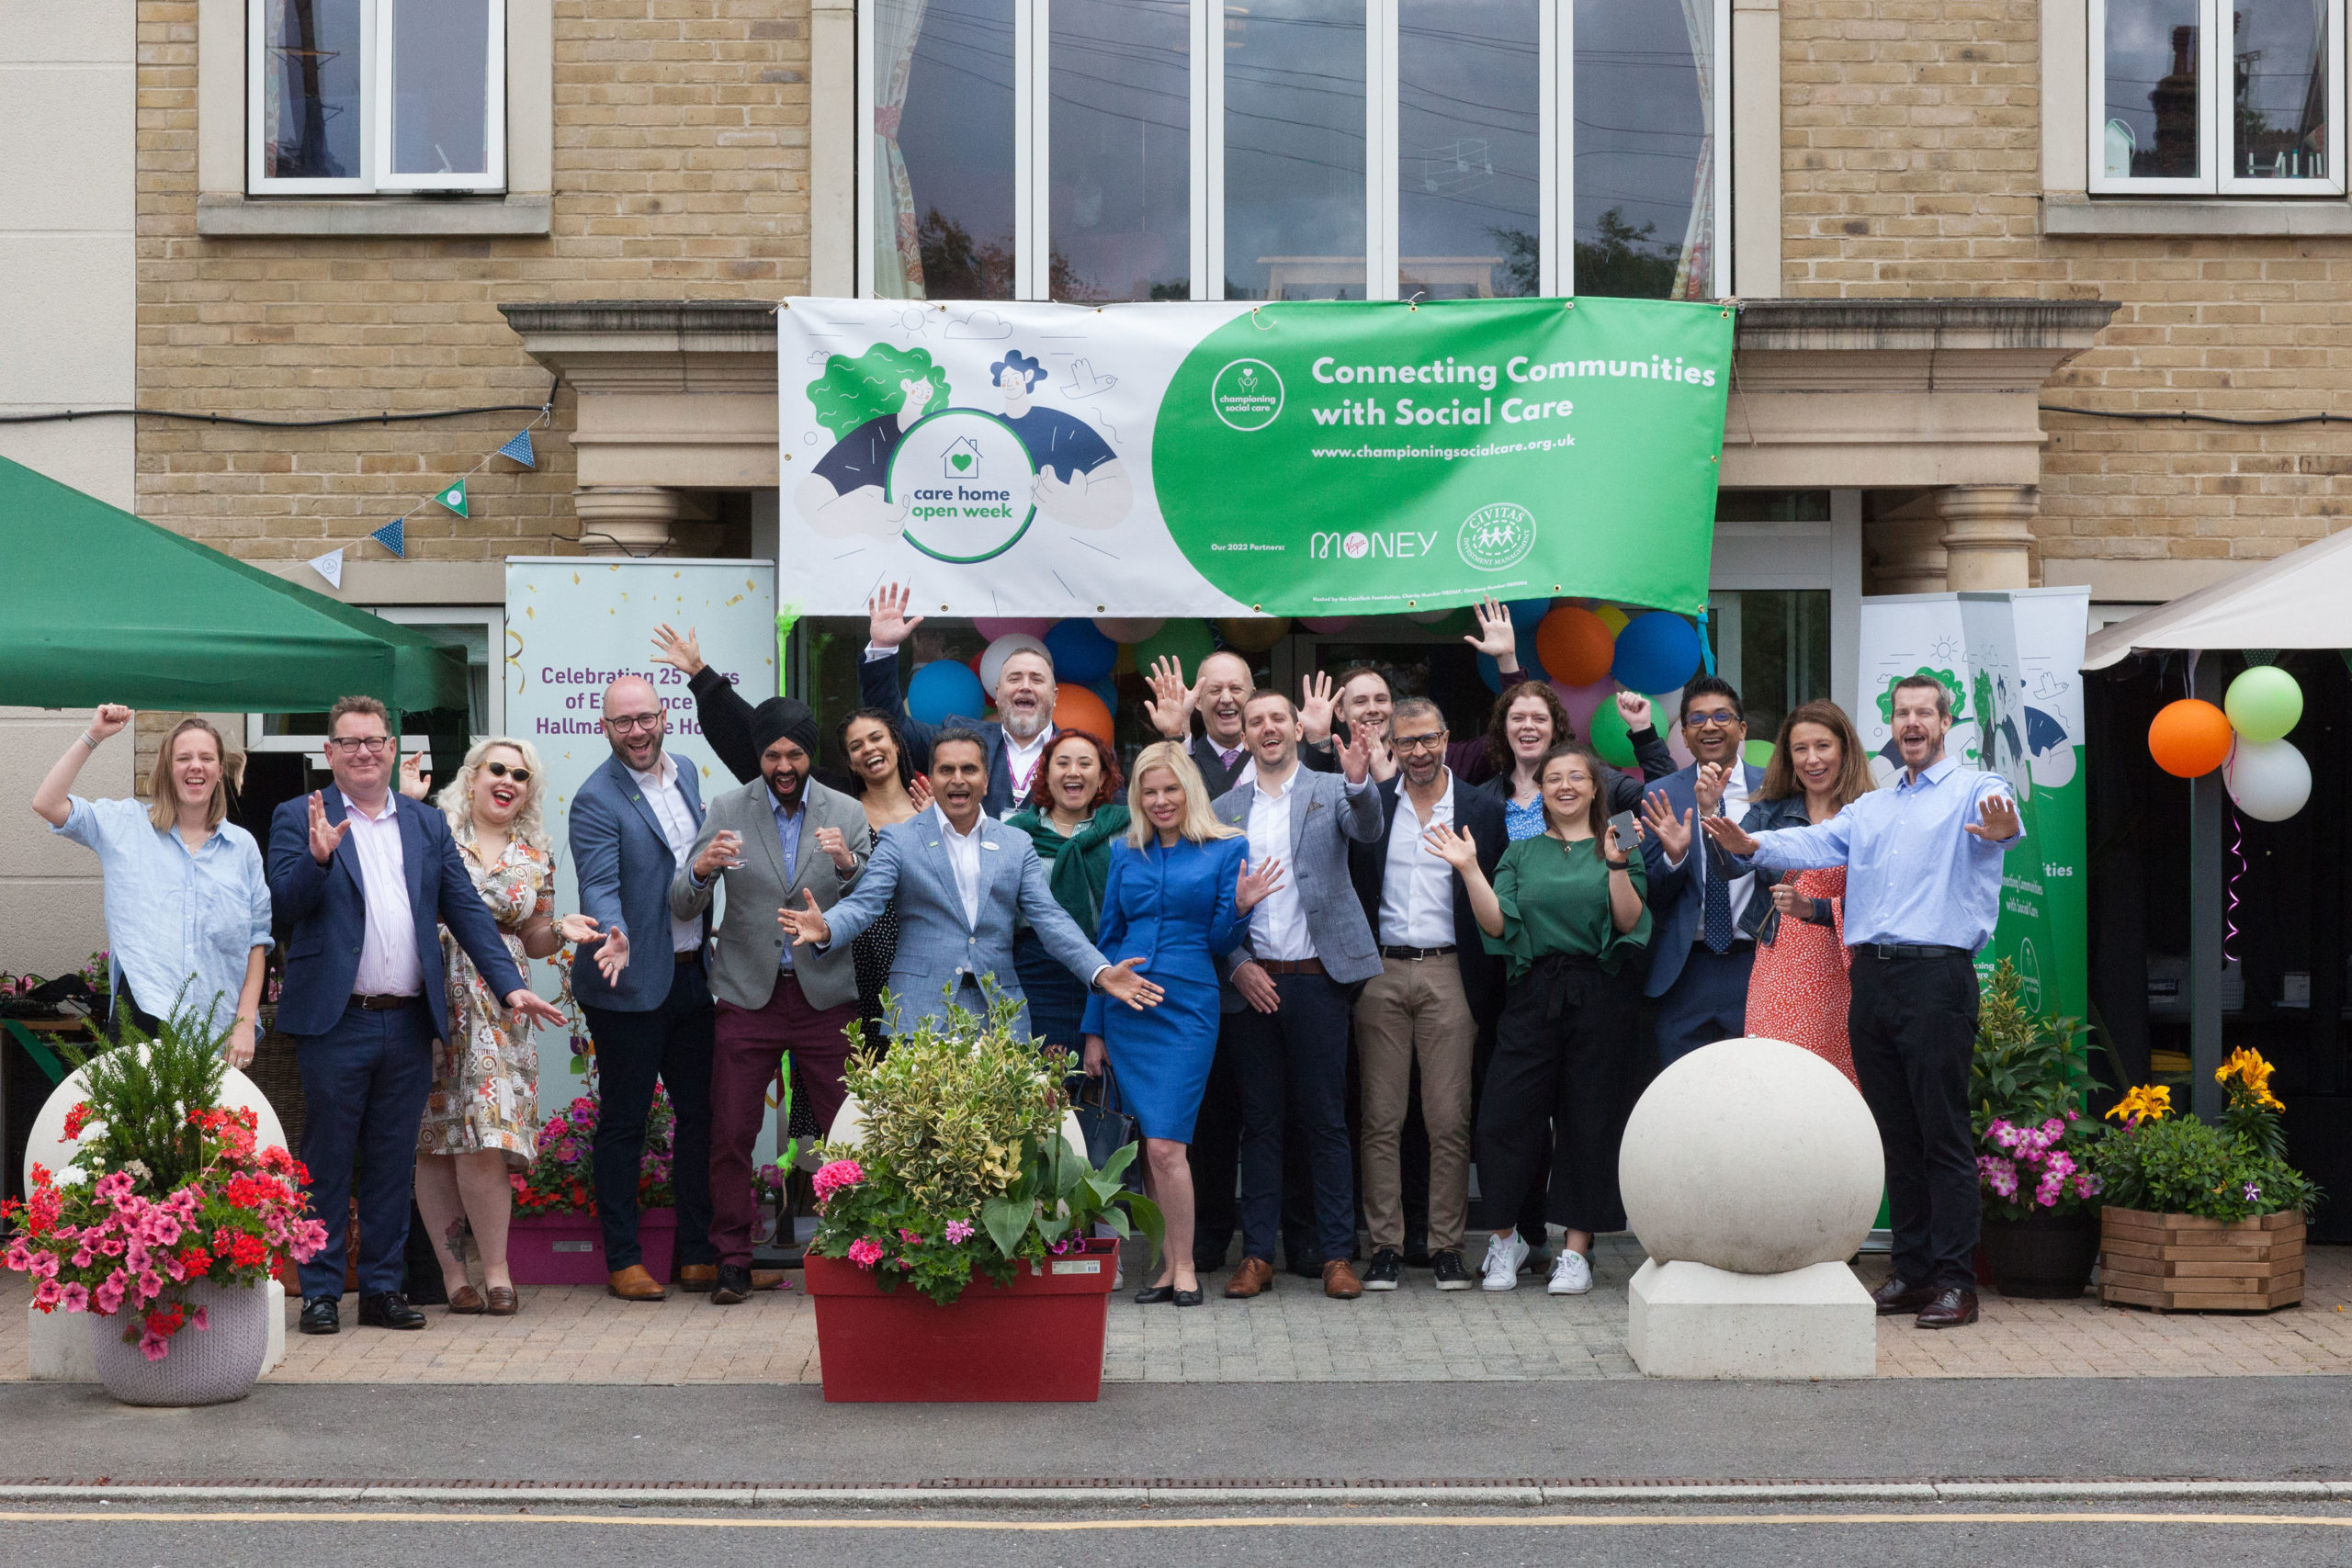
(520,448)
(329,565)
(392,536)
(454,498)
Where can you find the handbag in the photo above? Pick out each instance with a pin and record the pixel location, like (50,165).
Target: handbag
(1106,1130)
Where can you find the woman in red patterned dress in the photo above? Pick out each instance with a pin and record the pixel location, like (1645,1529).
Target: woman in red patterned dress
(1799,992)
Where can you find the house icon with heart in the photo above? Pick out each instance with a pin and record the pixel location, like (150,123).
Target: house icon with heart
(962,460)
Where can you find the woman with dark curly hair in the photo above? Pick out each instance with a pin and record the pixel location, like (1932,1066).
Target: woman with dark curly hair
(882,775)
(1527,722)
(1072,815)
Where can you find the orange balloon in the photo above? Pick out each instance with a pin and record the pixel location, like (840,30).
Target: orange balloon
(1575,646)
(1075,707)
(2190,739)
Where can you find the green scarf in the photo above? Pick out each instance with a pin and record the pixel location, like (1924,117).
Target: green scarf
(1077,868)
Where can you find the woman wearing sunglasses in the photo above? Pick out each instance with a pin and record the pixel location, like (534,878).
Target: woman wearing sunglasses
(482,1117)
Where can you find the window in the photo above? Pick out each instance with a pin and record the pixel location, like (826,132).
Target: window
(353,96)
(1108,149)
(478,631)
(2217,96)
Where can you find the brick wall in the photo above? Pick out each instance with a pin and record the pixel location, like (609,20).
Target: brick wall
(1912,161)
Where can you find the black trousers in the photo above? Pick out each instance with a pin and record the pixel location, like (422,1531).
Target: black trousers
(1215,1156)
(1556,1088)
(1912,1027)
(672,1042)
(1294,1063)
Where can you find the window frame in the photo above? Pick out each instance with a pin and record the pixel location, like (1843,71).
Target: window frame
(492,618)
(1033,215)
(2217,96)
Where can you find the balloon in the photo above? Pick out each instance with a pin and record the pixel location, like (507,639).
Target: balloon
(1254,634)
(1757,753)
(2264,703)
(993,627)
(1124,630)
(1081,653)
(943,687)
(992,658)
(1328,623)
(1428,617)
(1077,708)
(1186,641)
(1613,618)
(1575,646)
(1608,736)
(2190,739)
(2268,779)
(1583,701)
(1656,652)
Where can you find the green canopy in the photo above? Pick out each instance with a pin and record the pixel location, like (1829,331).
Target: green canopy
(101,606)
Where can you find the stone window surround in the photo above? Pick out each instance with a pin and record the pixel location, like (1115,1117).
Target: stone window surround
(2069,210)
(223,211)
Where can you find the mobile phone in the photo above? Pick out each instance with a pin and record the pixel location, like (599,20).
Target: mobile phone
(1626,840)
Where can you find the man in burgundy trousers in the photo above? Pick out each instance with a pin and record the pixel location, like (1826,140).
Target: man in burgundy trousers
(776,841)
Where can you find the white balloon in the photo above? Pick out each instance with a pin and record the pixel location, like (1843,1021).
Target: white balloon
(992,658)
(2268,779)
(1125,629)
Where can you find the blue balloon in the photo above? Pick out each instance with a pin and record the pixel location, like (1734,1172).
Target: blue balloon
(1081,653)
(1107,688)
(1656,652)
(1524,614)
(943,687)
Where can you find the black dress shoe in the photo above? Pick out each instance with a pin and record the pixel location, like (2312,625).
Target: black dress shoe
(1951,1309)
(389,1309)
(1152,1295)
(730,1286)
(1897,1296)
(322,1315)
(1191,1298)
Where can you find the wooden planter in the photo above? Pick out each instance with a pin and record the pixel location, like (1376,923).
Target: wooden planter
(2181,1263)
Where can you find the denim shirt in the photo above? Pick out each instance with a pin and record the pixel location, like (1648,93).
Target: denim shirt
(175,916)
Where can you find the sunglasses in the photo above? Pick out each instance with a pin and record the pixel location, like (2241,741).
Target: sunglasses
(501,771)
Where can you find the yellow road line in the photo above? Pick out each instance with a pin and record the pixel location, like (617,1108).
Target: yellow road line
(1062,1527)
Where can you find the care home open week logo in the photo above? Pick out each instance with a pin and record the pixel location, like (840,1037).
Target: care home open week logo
(1496,538)
(1247,395)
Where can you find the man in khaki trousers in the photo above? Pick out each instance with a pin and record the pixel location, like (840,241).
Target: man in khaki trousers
(1436,985)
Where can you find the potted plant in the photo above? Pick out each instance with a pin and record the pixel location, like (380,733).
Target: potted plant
(554,1237)
(167,1222)
(2027,1083)
(2198,1218)
(955,1254)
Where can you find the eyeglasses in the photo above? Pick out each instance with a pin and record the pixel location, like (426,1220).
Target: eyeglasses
(501,771)
(1719,719)
(351,746)
(624,725)
(1431,741)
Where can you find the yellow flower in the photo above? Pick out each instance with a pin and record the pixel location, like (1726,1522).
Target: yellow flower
(2151,1103)
(2252,1075)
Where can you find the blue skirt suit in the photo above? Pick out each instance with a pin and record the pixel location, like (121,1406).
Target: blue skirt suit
(1174,908)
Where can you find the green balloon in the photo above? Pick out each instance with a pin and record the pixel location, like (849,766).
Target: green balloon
(1757,753)
(1609,736)
(2264,703)
(1186,641)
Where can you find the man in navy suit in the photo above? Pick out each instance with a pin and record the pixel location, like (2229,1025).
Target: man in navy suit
(361,877)
(1024,697)
(633,824)
(1700,960)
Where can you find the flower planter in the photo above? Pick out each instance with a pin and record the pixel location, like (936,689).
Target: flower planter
(2044,1257)
(2182,1263)
(1038,1338)
(212,1365)
(569,1249)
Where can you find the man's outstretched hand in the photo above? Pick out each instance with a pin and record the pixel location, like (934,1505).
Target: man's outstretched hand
(1121,981)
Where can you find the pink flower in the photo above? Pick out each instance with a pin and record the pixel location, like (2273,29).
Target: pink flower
(958,1233)
(2053,1127)
(866,1252)
(49,1295)
(831,1178)
(203,1319)
(76,1298)
(909,1236)
(154,1345)
(109,1293)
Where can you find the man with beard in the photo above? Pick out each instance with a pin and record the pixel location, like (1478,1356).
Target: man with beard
(774,841)
(1923,889)
(1013,743)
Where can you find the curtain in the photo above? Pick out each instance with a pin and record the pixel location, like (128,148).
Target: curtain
(897,255)
(1693,272)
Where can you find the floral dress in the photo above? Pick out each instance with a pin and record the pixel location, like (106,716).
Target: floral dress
(485,1091)
(1800,991)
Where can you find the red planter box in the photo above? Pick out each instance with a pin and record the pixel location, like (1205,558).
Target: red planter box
(1038,1338)
(569,1249)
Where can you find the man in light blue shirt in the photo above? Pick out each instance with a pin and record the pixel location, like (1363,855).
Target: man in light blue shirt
(1923,889)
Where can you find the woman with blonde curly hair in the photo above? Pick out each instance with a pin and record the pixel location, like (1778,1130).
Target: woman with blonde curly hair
(482,1118)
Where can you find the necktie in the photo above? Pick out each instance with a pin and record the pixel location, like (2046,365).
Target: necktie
(1718,926)
(1227,758)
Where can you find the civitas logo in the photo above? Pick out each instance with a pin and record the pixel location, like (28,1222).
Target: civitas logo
(1496,538)
(1247,395)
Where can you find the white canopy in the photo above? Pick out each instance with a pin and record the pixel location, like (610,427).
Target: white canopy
(2303,598)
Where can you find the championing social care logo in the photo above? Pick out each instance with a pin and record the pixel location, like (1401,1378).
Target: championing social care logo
(1497,537)
(1247,394)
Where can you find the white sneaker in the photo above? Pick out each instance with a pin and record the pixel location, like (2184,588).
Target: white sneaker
(1572,1275)
(1503,1258)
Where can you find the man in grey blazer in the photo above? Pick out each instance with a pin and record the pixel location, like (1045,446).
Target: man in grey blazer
(963,881)
(775,839)
(1292,982)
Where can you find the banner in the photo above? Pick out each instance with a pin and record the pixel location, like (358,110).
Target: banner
(2013,664)
(1320,459)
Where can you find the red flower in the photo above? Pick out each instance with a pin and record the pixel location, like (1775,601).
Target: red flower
(196,1260)
(76,1118)
(248,1252)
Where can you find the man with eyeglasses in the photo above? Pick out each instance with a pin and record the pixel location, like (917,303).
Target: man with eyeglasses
(364,877)
(1700,960)
(633,824)
(1436,985)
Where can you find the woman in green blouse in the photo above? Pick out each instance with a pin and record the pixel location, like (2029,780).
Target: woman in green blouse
(1567,908)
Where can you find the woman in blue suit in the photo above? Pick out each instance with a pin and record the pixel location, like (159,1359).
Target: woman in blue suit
(1179,897)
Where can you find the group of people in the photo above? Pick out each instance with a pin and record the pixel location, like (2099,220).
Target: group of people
(1282,925)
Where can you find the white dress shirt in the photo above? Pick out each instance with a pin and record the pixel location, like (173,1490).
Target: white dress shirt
(388,963)
(1416,886)
(660,787)
(1278,925)
(1020,761)
(964,859)
(1734,807)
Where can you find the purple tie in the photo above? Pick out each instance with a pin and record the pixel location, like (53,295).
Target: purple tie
(1226,757)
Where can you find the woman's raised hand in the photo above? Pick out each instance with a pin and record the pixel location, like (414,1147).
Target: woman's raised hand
(1250,888)
(109,720)
(1673,832)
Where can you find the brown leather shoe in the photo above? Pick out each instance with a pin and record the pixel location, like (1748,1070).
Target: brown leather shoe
(466,1301)
(698,1277)
(502,1301)
(1951,1309)
(1254,1277)
(634,1284)
(1897,1296)
(1340,1282)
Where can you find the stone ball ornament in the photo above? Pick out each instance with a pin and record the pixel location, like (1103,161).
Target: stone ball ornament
(1751,1155)
(47,1145)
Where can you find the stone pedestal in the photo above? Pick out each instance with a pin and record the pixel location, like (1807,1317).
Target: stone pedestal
(1687,1320)
(58,1343)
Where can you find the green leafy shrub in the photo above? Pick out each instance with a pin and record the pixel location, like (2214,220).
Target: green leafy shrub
(2235,1172)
